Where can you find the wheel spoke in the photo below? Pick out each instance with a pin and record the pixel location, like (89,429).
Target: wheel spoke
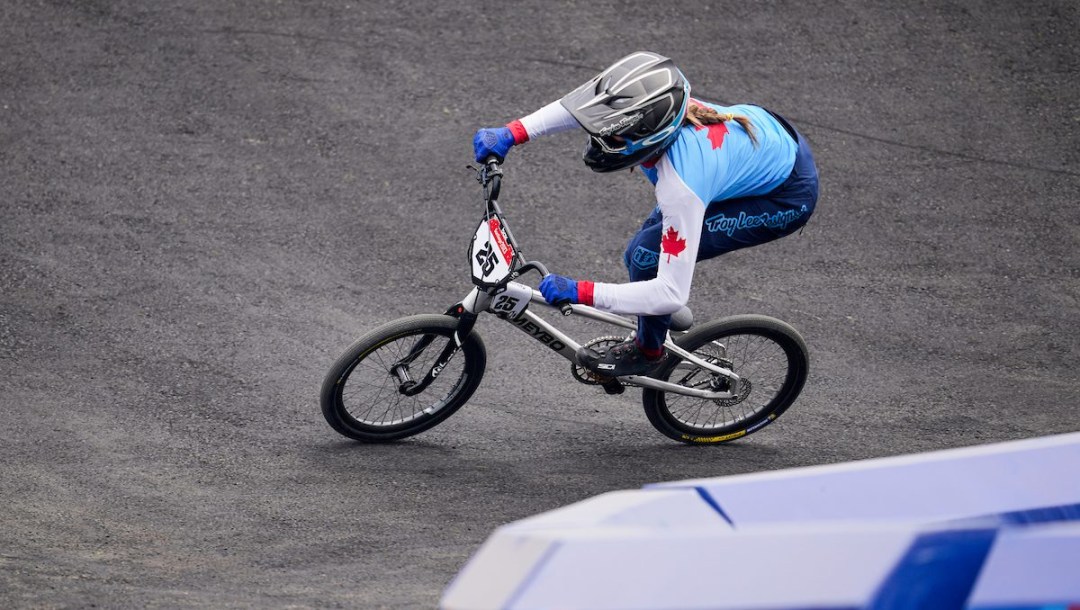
(761,364)
(370,394)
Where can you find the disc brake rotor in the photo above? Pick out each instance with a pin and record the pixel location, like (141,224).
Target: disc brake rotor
(742,391)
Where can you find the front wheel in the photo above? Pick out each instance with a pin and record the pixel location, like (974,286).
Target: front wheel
(768,355)
(363,394)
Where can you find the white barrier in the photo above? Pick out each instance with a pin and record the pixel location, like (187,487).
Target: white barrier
(509,557)
(985,527)
(1031,567)
(952,484)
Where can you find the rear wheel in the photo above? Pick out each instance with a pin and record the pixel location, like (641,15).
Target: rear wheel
(362,395)
(768,355)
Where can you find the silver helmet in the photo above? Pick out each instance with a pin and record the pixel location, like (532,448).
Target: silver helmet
(632,110)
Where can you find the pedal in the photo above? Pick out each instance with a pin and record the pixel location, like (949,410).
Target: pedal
(612,386)
(588,377)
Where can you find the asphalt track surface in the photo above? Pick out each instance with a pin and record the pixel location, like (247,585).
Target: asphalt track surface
(204,203)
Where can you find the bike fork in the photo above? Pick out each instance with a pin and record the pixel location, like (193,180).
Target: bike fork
(400,369)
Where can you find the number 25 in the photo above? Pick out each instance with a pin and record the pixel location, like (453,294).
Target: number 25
(505,303)
(487,259)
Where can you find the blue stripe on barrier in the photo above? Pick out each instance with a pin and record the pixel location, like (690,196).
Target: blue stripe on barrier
(938,571)
(1049,514)
(714,504)
(1075,606)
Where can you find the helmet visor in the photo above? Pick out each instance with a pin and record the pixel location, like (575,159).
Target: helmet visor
(610,144)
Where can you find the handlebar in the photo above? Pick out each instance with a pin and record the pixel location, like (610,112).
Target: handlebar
(534,266)
(564,307)
(491,178)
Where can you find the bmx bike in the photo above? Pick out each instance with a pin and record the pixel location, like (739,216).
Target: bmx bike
(721,381)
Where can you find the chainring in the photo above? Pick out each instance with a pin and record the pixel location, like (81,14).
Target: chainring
(601,345)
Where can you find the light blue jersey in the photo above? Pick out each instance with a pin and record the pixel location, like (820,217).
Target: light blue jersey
(719,162)
(714,163)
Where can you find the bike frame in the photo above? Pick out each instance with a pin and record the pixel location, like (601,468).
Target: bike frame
(482,297)
(479,301)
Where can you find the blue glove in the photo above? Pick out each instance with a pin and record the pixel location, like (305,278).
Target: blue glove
(558,289)
(492,141)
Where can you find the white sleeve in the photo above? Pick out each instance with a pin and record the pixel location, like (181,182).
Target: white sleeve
(683,216)
(552,118)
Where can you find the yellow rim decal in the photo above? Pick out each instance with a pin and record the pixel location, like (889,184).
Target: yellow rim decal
(714,439)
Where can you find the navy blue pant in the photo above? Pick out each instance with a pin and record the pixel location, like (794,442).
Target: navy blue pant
(729,225)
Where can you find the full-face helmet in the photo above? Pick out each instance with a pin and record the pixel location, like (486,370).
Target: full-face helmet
(632,110)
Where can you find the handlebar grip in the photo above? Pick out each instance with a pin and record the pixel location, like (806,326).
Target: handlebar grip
(564,307)
(492,177)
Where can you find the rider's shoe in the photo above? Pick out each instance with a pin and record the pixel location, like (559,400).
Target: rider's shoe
(623,359)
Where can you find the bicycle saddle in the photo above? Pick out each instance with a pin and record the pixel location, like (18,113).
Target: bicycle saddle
(682,319)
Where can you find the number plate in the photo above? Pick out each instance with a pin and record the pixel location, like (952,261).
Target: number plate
(491,255)
(511,302)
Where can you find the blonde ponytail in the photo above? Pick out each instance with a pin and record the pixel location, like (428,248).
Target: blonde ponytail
(700,116)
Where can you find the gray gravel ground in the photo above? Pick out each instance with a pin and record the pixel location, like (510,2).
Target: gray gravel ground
(204,202)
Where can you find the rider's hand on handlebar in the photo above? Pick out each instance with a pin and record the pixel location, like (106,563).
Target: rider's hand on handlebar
(558,289)
(492,141)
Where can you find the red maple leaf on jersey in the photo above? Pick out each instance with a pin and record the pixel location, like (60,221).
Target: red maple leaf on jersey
(671,244)
(717,131)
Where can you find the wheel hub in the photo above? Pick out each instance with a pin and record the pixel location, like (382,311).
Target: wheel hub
(742,391)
